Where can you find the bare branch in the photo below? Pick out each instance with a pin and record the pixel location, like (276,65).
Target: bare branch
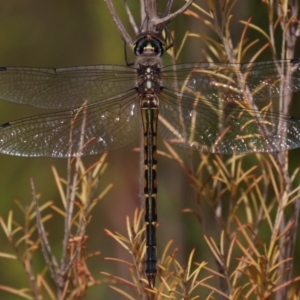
(169,17)
(124,34)
(130,18)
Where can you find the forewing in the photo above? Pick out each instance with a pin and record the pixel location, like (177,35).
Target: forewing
(64,88)
(232,82)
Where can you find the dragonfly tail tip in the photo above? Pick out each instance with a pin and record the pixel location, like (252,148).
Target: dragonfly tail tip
(151,280)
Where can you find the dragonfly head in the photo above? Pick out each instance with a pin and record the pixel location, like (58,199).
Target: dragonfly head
(148,43)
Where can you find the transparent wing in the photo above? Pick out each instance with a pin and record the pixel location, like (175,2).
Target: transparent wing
(210,107)
(64,88)
(227,109)
(87,130)
(227,82)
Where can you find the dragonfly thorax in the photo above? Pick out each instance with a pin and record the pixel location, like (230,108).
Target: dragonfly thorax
(148,75)
(148,65)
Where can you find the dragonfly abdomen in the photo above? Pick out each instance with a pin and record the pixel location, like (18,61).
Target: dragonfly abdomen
(150,119)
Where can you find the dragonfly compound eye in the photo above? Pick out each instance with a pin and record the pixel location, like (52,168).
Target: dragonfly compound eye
(148,41)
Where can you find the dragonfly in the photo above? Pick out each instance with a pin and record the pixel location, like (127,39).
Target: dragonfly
(212,107)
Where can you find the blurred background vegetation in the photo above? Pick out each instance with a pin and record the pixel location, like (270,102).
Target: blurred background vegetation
(80,32)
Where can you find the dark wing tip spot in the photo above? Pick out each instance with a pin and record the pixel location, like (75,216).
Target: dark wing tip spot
(7,124)
(294,119)
(2,69)
(295,60)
